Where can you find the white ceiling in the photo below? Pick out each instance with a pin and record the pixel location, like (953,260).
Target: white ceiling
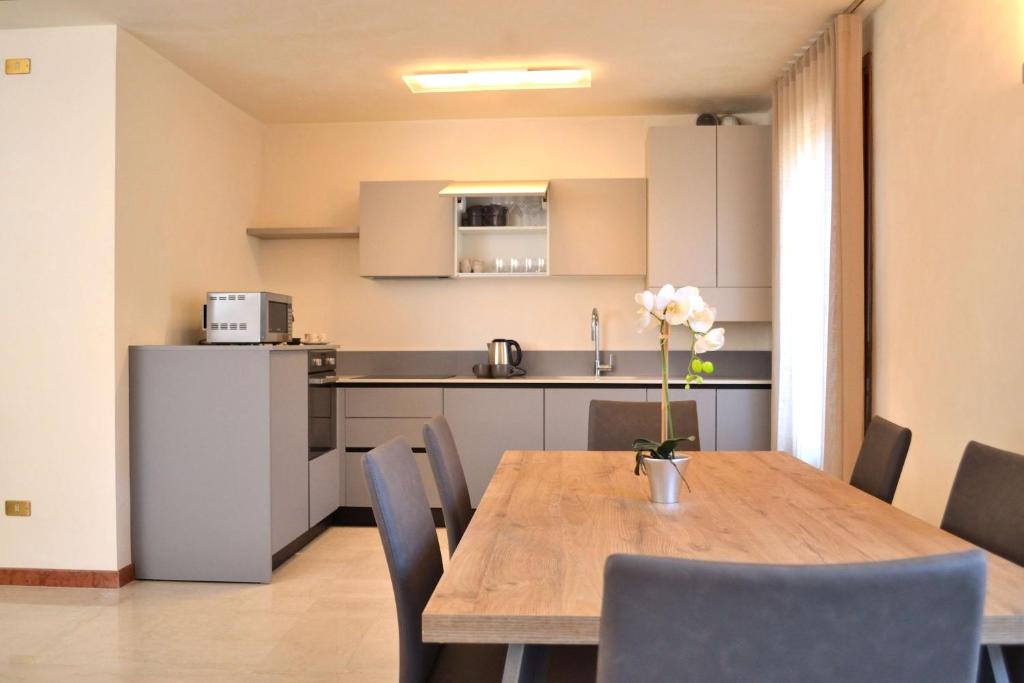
(341,60)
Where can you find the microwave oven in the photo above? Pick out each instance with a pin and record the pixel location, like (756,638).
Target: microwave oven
(247,318)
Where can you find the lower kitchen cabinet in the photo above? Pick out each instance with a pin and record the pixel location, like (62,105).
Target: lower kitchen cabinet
(365,433)
(706,412)
(324,492)
(567,414)
(744,419)
(488,422)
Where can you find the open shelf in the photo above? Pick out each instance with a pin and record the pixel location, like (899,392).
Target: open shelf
(487,275)
(302,233)
(501,229)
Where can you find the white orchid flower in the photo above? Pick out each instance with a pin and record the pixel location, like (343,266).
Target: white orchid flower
(685,302)
(712,341)
(663,298)
(702,320)
(646,301)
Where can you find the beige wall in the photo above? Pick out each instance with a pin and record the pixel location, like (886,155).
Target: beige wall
(188,176)
(949,188)
(311,178)
(57,273)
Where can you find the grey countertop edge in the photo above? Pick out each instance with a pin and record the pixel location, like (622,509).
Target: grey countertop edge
(234,347)
(541,379)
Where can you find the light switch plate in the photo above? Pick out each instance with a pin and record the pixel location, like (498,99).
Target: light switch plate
(18,66)
(18,508)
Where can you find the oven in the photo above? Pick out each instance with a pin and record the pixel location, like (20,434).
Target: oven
(323,402)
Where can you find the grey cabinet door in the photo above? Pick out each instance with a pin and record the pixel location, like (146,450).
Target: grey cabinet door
(681,206)
(744,419)
(744,206)
(324,490)
(706,411)
(365,433)
(289,448)
(406,229)
(488,422)
(598,226)
(567,414)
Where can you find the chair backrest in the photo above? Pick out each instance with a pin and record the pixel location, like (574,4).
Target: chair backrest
(615,424)
(881,459)
(410,544)
(901,622)
(450,478)
(986,504)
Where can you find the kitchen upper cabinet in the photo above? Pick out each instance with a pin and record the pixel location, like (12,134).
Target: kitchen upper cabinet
(405,229)
(567,414)
(709,215)
(744,419)
(681,206)
(488,422)
(706,411)
(598,226)
(744,206)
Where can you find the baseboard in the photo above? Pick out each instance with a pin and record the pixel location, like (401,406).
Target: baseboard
(360,516)
(67,578)
(298,544)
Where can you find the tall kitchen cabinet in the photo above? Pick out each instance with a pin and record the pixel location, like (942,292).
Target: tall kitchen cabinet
(219,460)
(405,229)
(709,215)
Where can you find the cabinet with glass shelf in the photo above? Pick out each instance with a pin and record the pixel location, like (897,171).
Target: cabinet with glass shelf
(500,228)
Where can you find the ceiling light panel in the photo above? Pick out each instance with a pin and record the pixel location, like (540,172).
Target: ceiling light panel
(498,79)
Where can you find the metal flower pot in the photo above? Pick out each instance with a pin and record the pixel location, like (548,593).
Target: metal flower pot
(665,477)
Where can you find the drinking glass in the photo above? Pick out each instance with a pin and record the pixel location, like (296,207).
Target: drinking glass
(513,265)
(528,265)
(499,265)
(541,265)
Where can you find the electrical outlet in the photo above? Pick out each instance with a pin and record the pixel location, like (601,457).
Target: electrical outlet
(18,508)
(18,67)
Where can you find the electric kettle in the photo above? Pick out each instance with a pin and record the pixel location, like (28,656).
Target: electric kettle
(504,357)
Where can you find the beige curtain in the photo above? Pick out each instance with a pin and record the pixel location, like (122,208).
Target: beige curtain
(818,246)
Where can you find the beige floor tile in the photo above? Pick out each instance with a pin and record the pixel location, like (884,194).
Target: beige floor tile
(328,615)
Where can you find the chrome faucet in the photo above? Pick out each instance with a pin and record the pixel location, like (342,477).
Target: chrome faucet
(595,336)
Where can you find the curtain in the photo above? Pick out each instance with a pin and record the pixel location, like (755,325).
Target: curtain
(818,249)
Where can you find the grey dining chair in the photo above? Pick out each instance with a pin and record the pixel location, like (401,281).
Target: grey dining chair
(413,555)
(450,478)
(905,621)
(986,507)
(881,458)
(615,424)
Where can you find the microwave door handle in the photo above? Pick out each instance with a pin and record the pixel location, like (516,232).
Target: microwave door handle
(204,317)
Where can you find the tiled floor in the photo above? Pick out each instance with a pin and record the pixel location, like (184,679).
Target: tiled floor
(328,615)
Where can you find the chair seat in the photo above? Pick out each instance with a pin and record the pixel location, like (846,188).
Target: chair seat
(459,662)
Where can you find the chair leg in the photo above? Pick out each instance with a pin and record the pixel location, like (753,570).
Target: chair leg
(998,664)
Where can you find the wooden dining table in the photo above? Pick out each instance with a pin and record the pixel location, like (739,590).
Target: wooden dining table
(529,570)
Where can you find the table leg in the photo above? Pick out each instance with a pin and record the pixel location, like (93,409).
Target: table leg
(998,663)
(525,663)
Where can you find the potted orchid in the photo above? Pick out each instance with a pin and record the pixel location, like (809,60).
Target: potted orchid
(669,308)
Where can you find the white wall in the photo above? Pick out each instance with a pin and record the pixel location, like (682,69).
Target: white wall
(949,193)
(188,176)
(57,425)
(311,178)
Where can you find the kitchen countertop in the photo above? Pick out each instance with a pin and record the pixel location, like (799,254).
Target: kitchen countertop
(237,347)
(543,380)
